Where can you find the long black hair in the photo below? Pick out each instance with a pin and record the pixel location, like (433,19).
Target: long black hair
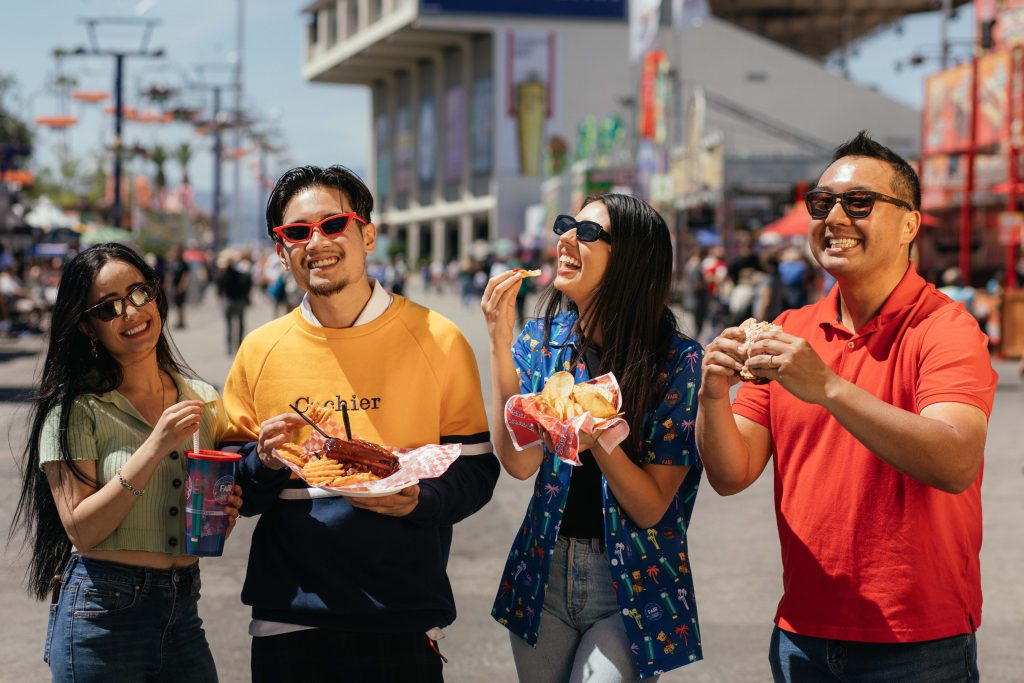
(631,306)
(69,371)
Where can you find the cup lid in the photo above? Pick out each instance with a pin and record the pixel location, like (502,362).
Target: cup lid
(223,456)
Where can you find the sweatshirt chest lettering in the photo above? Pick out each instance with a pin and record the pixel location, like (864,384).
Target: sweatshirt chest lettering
(353,402)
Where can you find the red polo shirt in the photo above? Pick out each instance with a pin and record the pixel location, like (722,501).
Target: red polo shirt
(869,554)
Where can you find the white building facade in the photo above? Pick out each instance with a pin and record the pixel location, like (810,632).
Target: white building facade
(468,94)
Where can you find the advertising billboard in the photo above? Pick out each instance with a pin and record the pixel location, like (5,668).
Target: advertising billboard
(947,111)
(993,92)
(600,9)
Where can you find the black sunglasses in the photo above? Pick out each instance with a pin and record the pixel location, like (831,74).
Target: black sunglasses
(586,231)
(138,296)
(856,203)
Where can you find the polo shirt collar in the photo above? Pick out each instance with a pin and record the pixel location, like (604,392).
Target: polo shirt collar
(377,304)
(903,296)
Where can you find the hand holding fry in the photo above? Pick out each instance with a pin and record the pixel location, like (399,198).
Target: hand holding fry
(275,432)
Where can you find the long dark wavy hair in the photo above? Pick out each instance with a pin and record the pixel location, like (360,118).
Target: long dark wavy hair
(68,372)
(631,306)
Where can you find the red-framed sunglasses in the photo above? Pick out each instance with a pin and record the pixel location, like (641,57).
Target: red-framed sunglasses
(332,226)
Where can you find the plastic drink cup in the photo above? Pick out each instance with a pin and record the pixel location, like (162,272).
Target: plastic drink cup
(211,475)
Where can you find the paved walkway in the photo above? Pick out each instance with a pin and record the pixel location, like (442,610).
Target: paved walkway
(734,543)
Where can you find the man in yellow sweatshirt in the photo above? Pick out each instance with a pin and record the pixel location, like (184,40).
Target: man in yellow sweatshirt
(351,588)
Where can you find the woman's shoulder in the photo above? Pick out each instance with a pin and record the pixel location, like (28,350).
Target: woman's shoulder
(197,388)
(680,344)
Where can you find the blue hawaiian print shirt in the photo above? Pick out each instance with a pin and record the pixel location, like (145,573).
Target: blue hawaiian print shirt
(650,567)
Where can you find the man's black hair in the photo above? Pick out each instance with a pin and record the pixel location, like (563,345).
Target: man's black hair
(302,177)
(905,184)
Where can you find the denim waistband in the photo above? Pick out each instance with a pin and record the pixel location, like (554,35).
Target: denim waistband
(142,577)
(593,545)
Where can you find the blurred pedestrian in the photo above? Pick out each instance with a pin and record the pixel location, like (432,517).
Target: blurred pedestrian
(695,291)
(180,277)
(876,413)
(234,285)
(102,500)
(600,560)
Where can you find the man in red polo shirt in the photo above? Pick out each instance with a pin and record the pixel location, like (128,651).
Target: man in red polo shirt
(877,418)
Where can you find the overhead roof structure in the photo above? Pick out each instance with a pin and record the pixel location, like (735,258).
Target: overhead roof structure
(818,27)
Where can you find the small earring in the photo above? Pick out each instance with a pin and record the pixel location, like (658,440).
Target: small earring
(92,343)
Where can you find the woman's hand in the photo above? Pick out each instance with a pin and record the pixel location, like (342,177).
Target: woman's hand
(177,423)
(233,508)
(273,433)
(499,306)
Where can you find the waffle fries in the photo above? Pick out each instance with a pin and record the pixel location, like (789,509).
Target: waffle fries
(293,453)
(318,413)
(329,472)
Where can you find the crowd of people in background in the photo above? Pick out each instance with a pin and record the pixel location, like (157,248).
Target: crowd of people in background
(713,288)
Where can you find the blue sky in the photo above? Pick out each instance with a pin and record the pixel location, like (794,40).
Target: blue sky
(321,124)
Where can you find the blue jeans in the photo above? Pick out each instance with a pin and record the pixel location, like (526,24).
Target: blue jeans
(581,634)
(115,622)
(798,659)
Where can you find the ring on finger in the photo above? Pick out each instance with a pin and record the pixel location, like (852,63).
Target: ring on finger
(771,362)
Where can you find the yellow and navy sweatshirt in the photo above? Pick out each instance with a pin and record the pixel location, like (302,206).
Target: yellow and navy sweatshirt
(409,378)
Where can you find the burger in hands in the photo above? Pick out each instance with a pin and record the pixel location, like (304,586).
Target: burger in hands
(752,330)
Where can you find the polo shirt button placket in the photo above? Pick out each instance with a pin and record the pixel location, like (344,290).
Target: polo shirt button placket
(852,345)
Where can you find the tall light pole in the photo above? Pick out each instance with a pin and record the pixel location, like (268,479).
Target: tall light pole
(219,123)
(94,50)
(239,47)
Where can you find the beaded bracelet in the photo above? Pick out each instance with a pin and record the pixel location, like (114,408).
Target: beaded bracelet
(128,485)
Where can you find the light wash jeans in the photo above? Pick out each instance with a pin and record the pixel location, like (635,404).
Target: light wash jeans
(804,659)
(115,622)
(581,633)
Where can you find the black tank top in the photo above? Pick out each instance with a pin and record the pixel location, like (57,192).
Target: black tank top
(584,515)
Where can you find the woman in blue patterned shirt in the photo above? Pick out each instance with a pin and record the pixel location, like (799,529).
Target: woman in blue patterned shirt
(598,580)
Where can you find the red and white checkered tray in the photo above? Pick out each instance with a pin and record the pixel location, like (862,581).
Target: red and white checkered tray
(424,462)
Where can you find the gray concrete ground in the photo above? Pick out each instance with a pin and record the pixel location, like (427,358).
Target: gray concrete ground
(734,545)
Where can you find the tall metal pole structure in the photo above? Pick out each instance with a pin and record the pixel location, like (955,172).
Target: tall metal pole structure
(218,151)
(119,56)
(239,47)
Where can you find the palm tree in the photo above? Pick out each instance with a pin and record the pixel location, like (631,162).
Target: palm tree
(183,155)
(159,157)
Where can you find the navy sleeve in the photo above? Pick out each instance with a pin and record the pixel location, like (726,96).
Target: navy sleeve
(261,485)
(463,489)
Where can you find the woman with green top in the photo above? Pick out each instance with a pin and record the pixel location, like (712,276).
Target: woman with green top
(103,496)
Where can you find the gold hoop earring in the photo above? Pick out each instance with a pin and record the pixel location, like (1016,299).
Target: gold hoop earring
(95,353)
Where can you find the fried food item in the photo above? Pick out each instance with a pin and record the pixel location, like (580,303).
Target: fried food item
(562,398)
(595,400)
(293,453)
(357,478)
(523,273)
(752,330)
(358,455)
(318,413)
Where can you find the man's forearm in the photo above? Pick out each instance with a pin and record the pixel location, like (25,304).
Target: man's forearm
(721,446)
(927,450)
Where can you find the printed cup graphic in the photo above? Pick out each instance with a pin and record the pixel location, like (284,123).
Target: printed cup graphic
(211,474)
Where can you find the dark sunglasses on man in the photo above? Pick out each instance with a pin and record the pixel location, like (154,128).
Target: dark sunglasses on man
(586,231)
(856,203)
(332,226)
(138,296)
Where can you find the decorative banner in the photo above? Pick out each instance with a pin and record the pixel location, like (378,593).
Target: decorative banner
(605,9)
(531,74)
(426,138)
(993,110)
(644,17)
(454,133)
(947,111)
(382,130)
(403,150)
(481,125)
(653,96)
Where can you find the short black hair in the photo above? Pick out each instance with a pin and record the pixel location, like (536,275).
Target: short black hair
(905,184)
(301,177)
